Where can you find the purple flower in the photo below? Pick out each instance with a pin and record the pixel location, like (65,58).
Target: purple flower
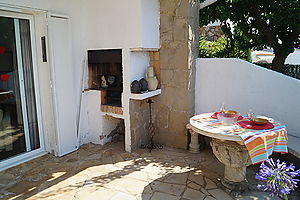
(277,178)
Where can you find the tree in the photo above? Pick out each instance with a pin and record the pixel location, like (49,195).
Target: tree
(221,48)
(258,24)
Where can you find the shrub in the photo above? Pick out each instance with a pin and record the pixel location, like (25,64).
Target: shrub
(221,48)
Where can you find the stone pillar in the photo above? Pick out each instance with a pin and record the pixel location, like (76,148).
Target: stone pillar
(179,27)
(194,145)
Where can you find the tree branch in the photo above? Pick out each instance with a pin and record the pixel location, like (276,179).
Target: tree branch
(270,37)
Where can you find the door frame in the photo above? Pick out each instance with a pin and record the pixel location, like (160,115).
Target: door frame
(18,159)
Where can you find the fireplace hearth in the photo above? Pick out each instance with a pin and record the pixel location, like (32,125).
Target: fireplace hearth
(105,74)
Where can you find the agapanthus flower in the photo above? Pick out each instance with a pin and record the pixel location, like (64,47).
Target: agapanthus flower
(277,178)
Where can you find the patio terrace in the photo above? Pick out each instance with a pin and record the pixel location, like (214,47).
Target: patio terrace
(108,172)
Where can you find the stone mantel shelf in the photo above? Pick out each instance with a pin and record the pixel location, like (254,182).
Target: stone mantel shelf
(145,95)
(140,49)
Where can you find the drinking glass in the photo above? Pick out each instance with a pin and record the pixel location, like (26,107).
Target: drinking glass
(222,108)
(250,114)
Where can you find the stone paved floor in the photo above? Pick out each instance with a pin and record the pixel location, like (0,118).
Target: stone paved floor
(107,172)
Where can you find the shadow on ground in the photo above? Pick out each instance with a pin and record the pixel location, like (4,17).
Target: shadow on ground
(108,172)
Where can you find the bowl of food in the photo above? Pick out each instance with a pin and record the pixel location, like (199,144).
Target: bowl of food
(228,118)
(259,121)
(229,113)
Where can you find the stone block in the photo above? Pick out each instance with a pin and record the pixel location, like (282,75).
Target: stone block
(181,56)
(166,36)
(182,9)
(180,29)
(166,76)
(164,58)
(178,120)
(181,100)
(181,76)
(171,139)
(166,23)
(168,7)
(167,96)
(162,116)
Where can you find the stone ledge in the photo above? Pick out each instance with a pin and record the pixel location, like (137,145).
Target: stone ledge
(145,95)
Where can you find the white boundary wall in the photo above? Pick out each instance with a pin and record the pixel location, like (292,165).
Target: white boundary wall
(242,86)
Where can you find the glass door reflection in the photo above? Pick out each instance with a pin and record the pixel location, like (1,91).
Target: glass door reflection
(18,119)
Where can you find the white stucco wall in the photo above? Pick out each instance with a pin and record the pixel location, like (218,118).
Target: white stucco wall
(101,24)
(150,22)
(139,62)
(243,86)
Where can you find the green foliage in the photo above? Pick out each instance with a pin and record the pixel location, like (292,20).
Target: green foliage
(258,24)
(221,48)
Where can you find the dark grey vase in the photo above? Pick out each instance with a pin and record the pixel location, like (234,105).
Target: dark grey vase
(135,87)
(144,85)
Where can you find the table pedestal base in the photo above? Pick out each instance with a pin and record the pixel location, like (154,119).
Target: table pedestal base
(235,157)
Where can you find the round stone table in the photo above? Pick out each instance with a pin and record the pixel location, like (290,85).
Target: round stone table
(228,147)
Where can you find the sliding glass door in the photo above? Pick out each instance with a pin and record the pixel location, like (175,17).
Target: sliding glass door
(19,127)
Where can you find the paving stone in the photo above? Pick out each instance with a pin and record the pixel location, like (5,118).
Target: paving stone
(209,198)
(66,195)
(220,194)
(96,156)
(193,194)
(5,178)
(144,196)
(194,186)
(209,184)
(88,193)
(197,178)
(138,175)
(177,178)
(99,172)
(204,191)
(147,190)
(169,188)
(163,196)
(123,196)
(127,185)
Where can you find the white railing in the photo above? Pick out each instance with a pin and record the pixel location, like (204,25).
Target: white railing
(242,86)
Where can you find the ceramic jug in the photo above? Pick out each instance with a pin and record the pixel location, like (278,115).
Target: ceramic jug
(151,79)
